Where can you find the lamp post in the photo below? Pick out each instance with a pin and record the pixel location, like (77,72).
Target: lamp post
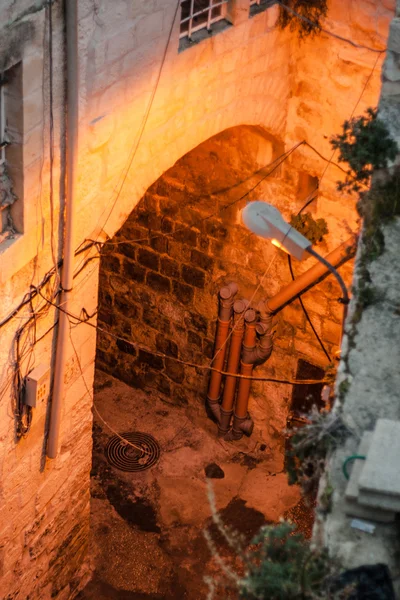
(266,221)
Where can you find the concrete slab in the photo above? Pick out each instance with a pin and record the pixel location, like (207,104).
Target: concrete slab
(379,482)
(354,509)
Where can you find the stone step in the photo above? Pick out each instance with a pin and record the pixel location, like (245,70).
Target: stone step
(379,480)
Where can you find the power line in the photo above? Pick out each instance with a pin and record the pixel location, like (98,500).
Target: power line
(335,35)
(137,346)
(144,120)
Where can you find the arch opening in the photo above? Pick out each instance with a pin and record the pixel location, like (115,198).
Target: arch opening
(159,282)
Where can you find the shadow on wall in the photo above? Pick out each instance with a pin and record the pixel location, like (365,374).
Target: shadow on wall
(160,274)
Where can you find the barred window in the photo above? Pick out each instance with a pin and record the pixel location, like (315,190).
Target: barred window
(3,140)
(11,175)
(200,14)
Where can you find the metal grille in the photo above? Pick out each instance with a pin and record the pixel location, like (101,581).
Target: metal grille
(140,454)
(200,14)
(2,121)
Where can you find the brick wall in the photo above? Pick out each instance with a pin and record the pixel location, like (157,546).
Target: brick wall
(162,293)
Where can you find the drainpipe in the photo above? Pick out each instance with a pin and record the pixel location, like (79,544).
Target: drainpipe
(255,354)
(226,301)
(309,278)
(71,23)
(228,397)
(242,422)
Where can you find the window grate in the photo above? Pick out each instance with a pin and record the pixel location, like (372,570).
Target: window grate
(3,142)
(200,14)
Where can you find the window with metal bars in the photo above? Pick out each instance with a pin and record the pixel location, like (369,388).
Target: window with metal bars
(200,14)
(3,139)
(11,175)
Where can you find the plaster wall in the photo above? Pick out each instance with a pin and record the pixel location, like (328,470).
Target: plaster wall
(250,74)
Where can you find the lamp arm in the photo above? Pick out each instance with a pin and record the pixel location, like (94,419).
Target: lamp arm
(345,298)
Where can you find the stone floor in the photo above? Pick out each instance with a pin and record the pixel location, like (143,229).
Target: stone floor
(147,527)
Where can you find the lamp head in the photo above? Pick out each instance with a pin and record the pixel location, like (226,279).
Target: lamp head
(265,220)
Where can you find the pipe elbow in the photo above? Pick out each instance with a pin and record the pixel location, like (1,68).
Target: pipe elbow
(226,301)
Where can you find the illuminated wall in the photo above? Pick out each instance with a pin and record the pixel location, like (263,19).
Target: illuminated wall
(249,74)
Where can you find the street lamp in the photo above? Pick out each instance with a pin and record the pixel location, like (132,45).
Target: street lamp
(266,221)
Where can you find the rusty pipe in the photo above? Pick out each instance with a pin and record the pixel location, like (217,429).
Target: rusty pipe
(242,422)
(226,301)
(301,284)
(228,397)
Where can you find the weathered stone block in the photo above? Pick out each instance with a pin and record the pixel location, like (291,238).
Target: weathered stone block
(159,243)
(111,263)
(133,271)
(127,250)
(193,276)
(174,370)
(158,282)
(146,358)
(194,339)
(167,225)
(126,347)
(166,346)
(185,235)
(197,322)
(201,260)
(183,292)
(149,259)
(153,318)
(170,267)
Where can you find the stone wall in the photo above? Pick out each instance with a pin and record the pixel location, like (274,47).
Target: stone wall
(250,74)
(162,292)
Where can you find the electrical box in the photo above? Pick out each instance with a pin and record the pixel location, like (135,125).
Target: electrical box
(37,386)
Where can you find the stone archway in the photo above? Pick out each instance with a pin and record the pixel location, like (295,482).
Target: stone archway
(161,272)
(159,278)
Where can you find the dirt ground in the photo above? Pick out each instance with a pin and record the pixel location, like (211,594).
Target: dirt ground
(147,531)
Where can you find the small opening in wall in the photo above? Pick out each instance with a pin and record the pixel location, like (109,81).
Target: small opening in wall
(304,397)
(307,184)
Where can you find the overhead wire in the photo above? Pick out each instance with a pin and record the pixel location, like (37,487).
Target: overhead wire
(312,197)
(29,297)
(327,31)
(139,347)
(144,120)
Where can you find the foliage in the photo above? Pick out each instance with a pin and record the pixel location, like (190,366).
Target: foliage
(309,445)
(307,20)
(283,567)
(313,229)
(365,145)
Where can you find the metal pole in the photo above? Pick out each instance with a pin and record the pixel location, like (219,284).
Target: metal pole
(71,20)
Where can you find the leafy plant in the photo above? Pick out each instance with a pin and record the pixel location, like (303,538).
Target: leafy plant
(303,16)
(365,145)
(283,567)
(313,229)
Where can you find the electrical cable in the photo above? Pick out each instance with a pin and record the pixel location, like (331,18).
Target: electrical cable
(338,37)
(137,346)
(144,120)
(312,197)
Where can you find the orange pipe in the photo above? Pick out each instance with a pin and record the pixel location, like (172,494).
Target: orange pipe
(309,278)
(233,364)
(245,369)
(219,358)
